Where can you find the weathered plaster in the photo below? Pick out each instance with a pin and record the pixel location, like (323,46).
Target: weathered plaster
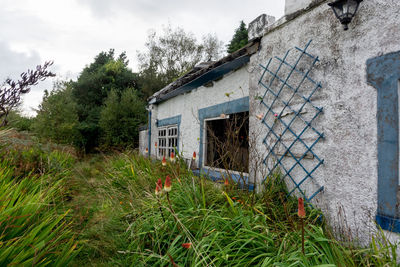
(349,121)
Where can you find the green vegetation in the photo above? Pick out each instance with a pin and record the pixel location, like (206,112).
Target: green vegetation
(102,210)
(239,39)
(34,226)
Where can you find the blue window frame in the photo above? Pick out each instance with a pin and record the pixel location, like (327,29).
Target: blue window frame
(230,107)
(168,135)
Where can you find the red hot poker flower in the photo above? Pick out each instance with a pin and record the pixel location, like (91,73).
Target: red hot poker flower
(164,161)
(301,212)
(194,155)
(167,184)
(226,183)
(172,157)
(155,145)
(158,187)
(147,150)
(187,245)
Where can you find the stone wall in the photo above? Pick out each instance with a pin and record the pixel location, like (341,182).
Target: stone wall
(349,120)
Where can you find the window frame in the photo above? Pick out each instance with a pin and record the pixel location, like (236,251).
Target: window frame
(164,140)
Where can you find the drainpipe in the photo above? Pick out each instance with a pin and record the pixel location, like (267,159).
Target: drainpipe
(149,132)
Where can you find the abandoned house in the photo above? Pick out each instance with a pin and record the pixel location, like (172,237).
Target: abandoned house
(308,97)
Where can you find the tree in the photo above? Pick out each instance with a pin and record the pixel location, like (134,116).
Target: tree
(106,73)
(212,47)
(57,116)
(239,39)
(120,118)
(170,55)
(11,91)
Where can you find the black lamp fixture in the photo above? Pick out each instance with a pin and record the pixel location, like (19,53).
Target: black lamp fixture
(345,10)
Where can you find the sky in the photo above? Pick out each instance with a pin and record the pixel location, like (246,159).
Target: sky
(72,32)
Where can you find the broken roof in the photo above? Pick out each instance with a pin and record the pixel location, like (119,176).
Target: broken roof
(206,72)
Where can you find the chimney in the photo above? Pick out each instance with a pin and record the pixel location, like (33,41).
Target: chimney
(292,6)
(257,26)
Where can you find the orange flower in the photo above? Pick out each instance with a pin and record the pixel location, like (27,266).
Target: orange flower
(226,183)
(301,212)
(172,157)
(120,202)
(167,184)
(158,187)
(155,144)
(164,161)
(194,155)
(187,245)
(234,198)
(147,150)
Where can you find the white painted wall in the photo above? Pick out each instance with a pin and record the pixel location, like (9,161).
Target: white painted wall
(235,84)
(292,6)
(349,174)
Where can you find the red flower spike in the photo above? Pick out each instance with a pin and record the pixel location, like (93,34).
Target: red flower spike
(194,155)
(155,144)
(158,187)
(301,212)
(147,150)
(226,183)
(164,161)
(172,157)
(187,245)
(167,184)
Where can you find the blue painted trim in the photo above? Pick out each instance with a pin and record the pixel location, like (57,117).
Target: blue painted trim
(383,73)
(230,107)
(171,121)
(218,176)
(207,77)
(388,223)
(149,133)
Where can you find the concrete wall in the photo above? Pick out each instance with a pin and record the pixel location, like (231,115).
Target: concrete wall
(349,122)
(143,141)
(233,85)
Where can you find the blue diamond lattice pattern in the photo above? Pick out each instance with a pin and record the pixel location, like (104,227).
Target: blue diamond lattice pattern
(290,119)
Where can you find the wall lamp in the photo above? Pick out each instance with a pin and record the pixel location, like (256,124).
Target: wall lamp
(345,10)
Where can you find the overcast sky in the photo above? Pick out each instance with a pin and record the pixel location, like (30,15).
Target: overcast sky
(73,32)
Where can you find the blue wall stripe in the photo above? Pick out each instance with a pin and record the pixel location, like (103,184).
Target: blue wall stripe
(383,73)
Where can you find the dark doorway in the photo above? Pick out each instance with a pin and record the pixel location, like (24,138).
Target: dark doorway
(227,143)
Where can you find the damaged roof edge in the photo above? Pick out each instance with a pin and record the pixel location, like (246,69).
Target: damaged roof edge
(210,73)
(207,77)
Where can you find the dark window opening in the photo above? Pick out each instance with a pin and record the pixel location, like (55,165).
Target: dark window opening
(227,143)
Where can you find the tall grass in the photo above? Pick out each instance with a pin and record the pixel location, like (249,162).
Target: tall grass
(32,229)
(225,226)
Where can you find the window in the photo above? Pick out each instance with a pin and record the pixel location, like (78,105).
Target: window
(227,145)
(167,140)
